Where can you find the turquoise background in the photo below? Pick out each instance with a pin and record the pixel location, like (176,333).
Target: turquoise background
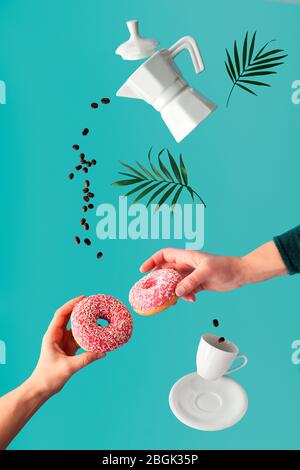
(58,56)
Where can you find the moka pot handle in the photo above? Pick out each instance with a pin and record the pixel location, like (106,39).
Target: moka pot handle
(189,43)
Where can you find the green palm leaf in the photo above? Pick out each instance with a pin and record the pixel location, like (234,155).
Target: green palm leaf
(132,169)
(154,169)
(147,173)
(267,54)
(160,182)
(126,182)
(183,171)
(137,188)
(154,195)
(175,168)
(165,196)
(245,50)
(251,64)
(176,197)
(145,192)
(165,170)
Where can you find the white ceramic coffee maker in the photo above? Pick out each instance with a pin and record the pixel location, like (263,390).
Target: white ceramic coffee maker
(159,82)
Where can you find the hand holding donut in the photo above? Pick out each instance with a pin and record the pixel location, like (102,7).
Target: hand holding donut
(200,271)
(58,360)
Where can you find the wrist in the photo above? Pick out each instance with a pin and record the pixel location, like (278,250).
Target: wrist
(37,388)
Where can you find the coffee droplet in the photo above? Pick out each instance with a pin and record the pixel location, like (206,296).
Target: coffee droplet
(221,339)
(105,101)
(87,241)
(99,255)
(77,239)
(75,147)
(215,322)
(85,131)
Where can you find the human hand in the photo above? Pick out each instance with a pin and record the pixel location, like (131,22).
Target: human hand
(201,271)
(58,360)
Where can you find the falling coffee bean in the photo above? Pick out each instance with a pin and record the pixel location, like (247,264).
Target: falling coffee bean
(87,183)
(94,105)
(215,322)
(75,147)
(86,226)
(93,162)
(85,169)
(91,206)
(83,221)
(85,131)
(221,339)
(99,255)
(105,101)
(84,208)
(85,190)
(88,164)
(77,240)
(78,167)
(91,195)
(87,241)
(71,176)
(86,198)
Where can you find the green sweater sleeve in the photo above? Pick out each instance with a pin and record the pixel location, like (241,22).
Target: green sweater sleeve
(288,245)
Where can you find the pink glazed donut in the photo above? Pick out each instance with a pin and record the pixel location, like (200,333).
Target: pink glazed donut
(155,292)
(91,336)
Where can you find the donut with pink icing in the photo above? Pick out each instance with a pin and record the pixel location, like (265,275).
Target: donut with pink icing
(91,336)
(155,292)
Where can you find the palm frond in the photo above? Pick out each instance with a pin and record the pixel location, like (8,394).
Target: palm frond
(249,63)
(160,184)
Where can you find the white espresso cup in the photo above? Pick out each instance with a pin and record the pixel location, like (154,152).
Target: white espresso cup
(214,358)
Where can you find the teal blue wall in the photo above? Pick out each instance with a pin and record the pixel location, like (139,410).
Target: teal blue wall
(58,56)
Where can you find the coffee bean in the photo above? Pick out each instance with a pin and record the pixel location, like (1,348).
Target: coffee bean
(78,167)
(221,339)
(85,170)
(105,101)
(87,241)
(85,131)
(91,195)
(87,183)
(84,208)
(91,206)
(83,221)
(94,105)
(76,147)
(88,164)
(86,226)
(77,240)
(71,176)
(215,322)
(82,155)
(86,198)
(99,255)
(93,162)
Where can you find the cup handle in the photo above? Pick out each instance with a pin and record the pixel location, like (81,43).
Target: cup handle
(244,363)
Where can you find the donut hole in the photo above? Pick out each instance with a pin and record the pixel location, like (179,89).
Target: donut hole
(102,322)
(149,283)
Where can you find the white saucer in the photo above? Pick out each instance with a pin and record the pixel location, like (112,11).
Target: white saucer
(208,405)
